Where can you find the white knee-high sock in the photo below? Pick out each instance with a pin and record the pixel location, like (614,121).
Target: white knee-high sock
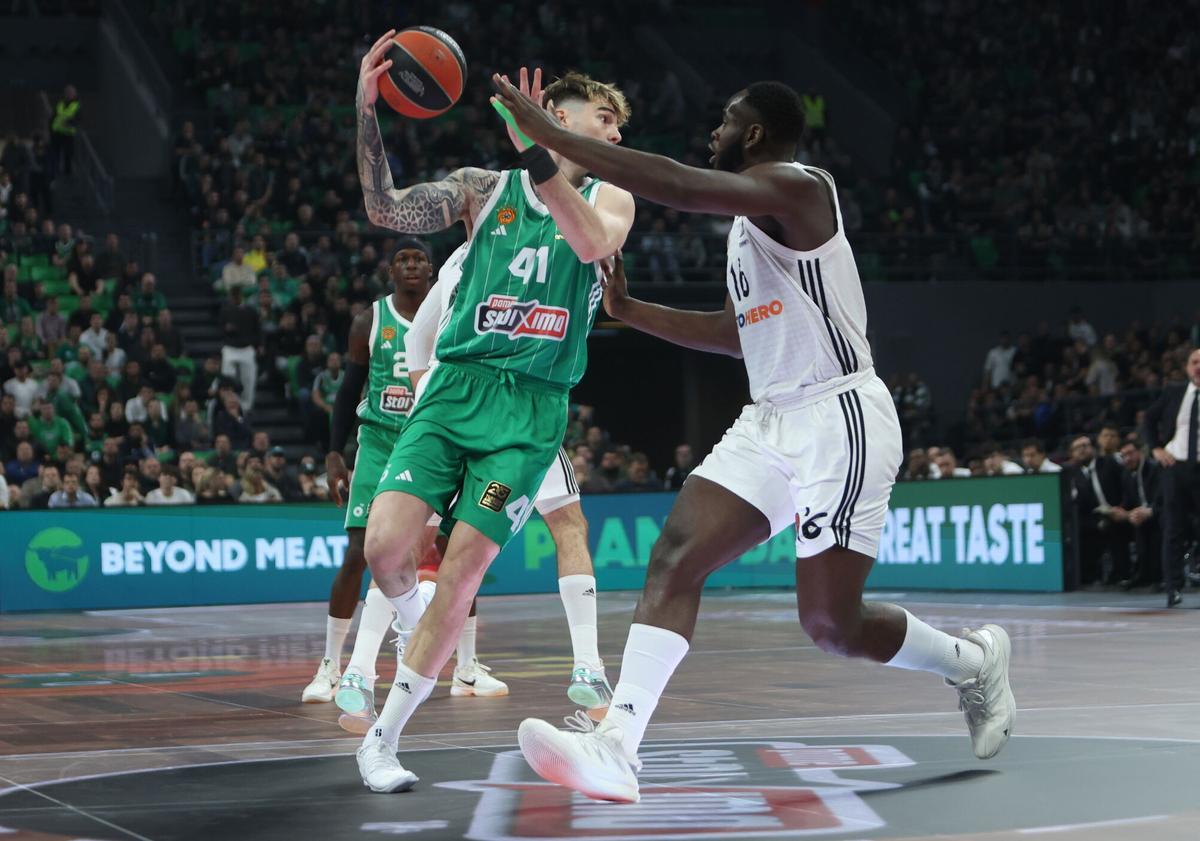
(408,692)
(335,638)
(409,607)
(578,594)
(926,649)
(651,656)
(466,642)
(372,627)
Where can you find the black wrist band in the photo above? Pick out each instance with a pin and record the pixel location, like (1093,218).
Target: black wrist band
(537,162)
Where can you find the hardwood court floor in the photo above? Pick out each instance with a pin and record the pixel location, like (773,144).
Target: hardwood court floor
(206,701)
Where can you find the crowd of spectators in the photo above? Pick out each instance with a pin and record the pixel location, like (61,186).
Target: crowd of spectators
(1046,136)
(1072,402)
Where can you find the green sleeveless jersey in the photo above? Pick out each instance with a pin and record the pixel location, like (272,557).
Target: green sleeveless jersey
(389,395)
(525,303)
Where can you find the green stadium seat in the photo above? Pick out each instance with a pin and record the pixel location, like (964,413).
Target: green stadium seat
(185,367)
(68,304)
(35,260)
(57,287)
(13,330)
(24,274)
(985,251)
(48,273)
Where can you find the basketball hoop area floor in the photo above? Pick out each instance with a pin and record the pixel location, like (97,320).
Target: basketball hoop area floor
(186,724)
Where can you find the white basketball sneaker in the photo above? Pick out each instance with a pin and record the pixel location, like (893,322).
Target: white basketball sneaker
(987,701)
(474,678)
(323,685)
(587,757)
(380,769)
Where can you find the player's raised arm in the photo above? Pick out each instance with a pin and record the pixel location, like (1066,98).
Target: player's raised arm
(769,189)
(715,332)
(421,208)
(358,358)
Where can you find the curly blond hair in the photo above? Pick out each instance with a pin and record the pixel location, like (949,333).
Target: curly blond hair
(576,85)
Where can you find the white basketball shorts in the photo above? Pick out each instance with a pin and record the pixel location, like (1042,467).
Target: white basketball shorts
(558,489)
(827,466)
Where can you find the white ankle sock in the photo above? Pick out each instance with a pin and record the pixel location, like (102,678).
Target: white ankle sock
(578,594)
(651,656)
(409,607)
(408,692)
(335,637)
(466,643)
(372,627)
(926,649)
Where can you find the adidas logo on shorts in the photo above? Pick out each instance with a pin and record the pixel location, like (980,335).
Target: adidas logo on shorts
(626,708)
(590,591)
(405,687)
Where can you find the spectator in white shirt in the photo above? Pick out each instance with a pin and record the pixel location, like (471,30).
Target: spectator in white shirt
(167,492)
(95,337)
(256,489)
(236,273)
(130,494)
(1079,330)
(998,365)
(997,463)
(3,493)
(1034,456)
(23,389)
(137,408)
(948,468)
(113,355)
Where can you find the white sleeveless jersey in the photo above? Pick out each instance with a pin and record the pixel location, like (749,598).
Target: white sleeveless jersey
(801,316)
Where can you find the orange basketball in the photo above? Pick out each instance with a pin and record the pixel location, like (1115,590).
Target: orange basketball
(427,75)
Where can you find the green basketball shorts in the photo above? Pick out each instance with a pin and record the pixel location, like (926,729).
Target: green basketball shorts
(486,432)
(374,447)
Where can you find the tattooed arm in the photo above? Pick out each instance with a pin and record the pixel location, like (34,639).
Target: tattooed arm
(421,208)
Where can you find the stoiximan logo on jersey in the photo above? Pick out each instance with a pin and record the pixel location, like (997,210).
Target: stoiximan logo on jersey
(55,560)
(735,789)
(518,319)
(396,400)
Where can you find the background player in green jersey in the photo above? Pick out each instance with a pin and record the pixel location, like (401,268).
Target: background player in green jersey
(515,344)
(374,358)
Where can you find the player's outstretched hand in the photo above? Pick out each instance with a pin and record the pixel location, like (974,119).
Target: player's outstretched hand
(524,104)
(373,66)
(616,288)
(338,476)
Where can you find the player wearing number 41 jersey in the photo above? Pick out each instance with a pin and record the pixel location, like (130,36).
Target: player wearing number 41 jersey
(818,447)
(490,422)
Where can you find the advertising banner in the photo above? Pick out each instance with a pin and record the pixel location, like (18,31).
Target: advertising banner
(979,534)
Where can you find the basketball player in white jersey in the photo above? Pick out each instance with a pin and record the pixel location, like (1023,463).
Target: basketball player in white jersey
(818,447)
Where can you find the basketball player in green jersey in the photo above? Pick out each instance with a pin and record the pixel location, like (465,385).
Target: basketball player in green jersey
(375,358)
(490,422)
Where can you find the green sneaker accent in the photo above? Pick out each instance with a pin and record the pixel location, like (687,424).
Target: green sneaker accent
(353,696)
(589,688)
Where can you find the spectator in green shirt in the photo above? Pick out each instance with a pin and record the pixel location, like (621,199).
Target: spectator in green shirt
(49,429)
(12,306)
(149,300)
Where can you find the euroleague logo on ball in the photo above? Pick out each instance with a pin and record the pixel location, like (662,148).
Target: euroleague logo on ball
(414,84)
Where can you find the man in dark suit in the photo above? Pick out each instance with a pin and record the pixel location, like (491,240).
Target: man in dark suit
(1097,491)
(1172,429)
(1143,504)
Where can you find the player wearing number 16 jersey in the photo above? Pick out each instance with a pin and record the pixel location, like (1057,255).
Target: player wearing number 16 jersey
(818,447)
(490,421)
